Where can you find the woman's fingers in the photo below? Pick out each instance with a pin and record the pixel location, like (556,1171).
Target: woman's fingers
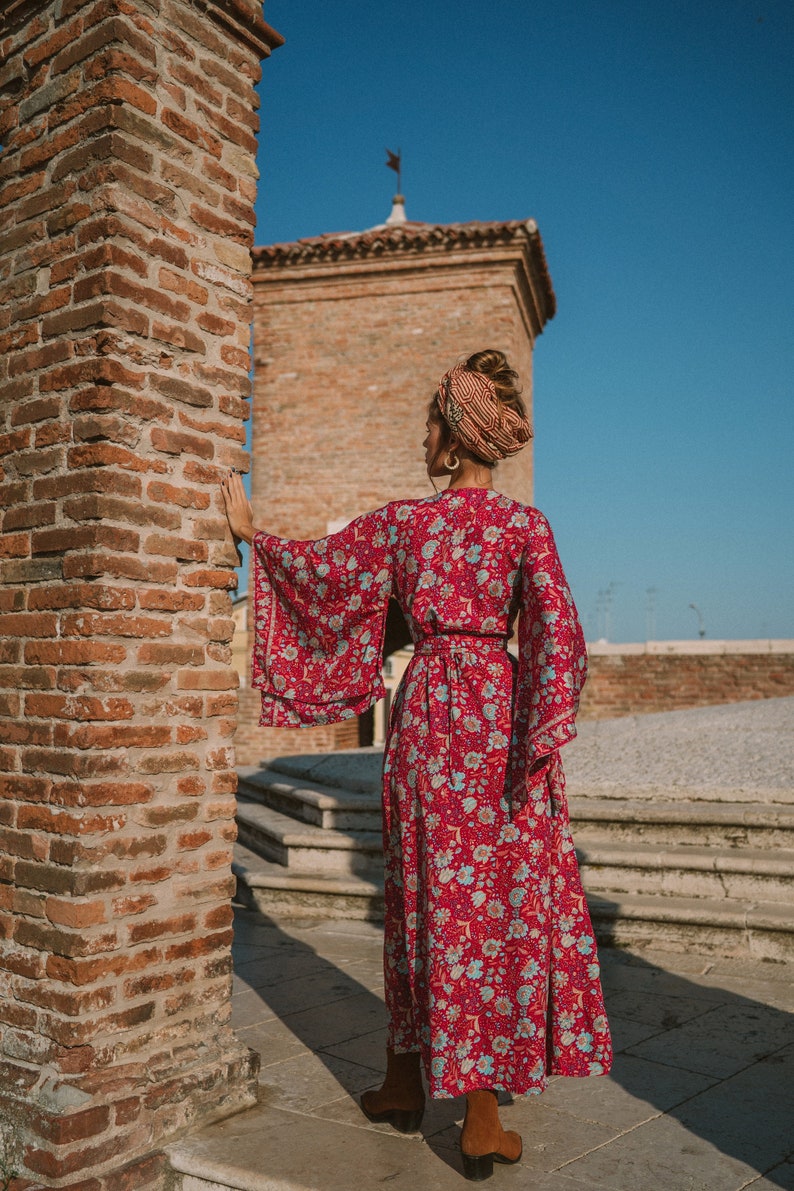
(238,507)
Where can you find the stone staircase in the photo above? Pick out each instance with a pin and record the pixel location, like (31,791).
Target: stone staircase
(714,877)
(309,836)
(678,848)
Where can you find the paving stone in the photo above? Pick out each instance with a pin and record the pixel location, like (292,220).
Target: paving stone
(276,967)
(773,1180)
(723,1040)
(661,1010)
(293,996)
(249,1009)
(661,1154)
(340,1022)
(751,1115)
(550,1137)
(368,1050)
(272,1040)
(627,1033)
(309,1081)
(635,1091)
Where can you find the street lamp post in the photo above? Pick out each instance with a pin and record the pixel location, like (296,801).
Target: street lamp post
(701,624)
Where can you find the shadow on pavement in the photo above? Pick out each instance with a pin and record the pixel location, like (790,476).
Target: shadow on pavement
(701,1093)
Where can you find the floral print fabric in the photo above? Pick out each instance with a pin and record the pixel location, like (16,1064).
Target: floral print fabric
(490,961)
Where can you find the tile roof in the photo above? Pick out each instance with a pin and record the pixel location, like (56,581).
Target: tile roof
(413,238)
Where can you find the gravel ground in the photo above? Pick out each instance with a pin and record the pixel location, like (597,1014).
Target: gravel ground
(739,751)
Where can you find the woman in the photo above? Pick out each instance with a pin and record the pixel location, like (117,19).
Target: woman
(492,980)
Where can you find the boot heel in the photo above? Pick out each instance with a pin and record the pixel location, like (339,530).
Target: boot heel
(407,1122)
(477,1170)
(402,1119)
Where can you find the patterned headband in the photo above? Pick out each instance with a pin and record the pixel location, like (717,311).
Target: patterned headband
(485,425)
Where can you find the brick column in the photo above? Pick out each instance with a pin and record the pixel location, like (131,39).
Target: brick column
(126,215)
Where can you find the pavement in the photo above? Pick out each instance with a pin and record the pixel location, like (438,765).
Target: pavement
(700,1098)
(701,1095)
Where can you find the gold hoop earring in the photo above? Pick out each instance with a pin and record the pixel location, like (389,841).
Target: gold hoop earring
(448,464)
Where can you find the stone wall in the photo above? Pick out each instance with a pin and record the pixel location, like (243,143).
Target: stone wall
(128,179)
(673,675)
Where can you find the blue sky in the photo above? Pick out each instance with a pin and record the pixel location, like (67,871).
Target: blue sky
(653,144)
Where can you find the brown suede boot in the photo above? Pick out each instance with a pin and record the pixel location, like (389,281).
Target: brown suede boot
(483,1141)
(400,1101)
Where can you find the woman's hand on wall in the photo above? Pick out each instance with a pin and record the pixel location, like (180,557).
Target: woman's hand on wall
(239,513)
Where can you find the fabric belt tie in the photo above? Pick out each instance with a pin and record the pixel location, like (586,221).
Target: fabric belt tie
(455,642)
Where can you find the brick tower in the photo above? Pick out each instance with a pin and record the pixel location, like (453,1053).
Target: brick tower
(350,333)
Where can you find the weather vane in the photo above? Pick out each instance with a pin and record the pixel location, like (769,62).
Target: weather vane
(394,162)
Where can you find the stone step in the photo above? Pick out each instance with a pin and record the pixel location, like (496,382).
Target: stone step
(742,874)
(357,770)
(701,823)
(761,930)
(303,847)
(330,807)
(669,873)
(272,889)
(721,926)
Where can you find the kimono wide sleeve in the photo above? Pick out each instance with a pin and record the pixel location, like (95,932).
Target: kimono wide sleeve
(552,662)
(319,618)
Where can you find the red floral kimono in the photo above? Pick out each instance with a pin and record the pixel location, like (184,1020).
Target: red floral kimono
(490,961)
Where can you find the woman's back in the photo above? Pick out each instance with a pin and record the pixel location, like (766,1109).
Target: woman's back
(457,561)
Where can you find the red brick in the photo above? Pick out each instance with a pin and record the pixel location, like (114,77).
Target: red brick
(170,655)
(176,443)
(94,371)
(186,497)
(163,762)
(177,925)
(43,818)
(71,653)
(190,734)
(194,787)
(14,545)
(83,595)
(225,579)
(189,131)
(56,761)
(124,566)
(112,736)
(171,601)
(29,624)
(94,793)
(207,680)
(105,480)
(195,947)
(175,547)
(78,537)
(106,624)
(75,913)
(30,516)
(49,46)
(220,225)
(77,1125)
(124,906)
(83,374)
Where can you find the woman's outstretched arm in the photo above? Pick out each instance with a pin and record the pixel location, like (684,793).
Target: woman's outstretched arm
(238,507)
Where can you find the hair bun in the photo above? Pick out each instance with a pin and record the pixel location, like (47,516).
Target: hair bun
(505,380)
